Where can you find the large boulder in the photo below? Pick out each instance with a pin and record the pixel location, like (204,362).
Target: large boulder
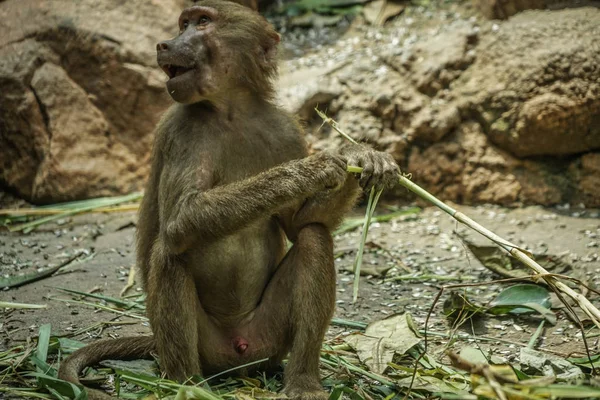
(537,83)
(502,9)
(80,94)
(504,112)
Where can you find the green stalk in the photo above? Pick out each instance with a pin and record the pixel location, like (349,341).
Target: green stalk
(517,252)
(75,208)
(361,248)
(373,199)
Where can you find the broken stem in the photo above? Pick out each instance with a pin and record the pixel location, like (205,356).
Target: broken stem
(517,252)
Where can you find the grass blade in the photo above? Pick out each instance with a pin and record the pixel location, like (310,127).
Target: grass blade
(118,302)
(43,342)
(8,304)
(373,199)
(353,223)
(75,208)
(17,281)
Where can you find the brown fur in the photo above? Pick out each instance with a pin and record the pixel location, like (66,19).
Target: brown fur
(252,4)
(230,180)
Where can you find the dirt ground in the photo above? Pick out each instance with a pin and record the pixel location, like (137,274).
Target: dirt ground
(423,243)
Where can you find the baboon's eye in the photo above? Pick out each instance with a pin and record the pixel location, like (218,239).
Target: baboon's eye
(203,20)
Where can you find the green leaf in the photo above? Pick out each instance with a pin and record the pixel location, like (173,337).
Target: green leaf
(474,355)
(108,299)
(521,375)
(566,392)
(8,304)
(63,387)
(82,395)
(522,308)
(585,361)
(338,392)
(76,207)
(151,383)
(68,346)
(372,203)
(349,324)
(520,295)
(42,366)
(139,367)
(56,394)
(521,299)
(43,342)
(17,280)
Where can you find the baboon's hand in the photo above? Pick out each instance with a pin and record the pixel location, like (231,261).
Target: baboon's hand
(327,170)
(379,169)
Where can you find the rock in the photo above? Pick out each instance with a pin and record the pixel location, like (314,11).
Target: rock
(550,365)
(300,92)
(502,9)
(505,112)
(536,83)
(379,11)
(72,165)
(468,169)
(556,124)
(465,169)
(433,123)
(587,177)
(80,95)
(441,59)
(361,125)
(543,182)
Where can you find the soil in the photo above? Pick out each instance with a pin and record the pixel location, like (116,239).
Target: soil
(423,243)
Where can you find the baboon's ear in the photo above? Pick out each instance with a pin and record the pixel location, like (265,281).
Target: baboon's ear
(269,49)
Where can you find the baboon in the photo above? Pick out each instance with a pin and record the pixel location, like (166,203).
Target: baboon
(231,180)
(252,4)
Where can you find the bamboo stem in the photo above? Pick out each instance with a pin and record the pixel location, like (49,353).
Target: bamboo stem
(517,252)
(54,211)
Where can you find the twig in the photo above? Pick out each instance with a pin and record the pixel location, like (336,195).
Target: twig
(484,370)
(9,304)
(536,335)
(130,281)
(102,307)
(517,252)
(16,282)
(38,212)
(425,277)
(78,208)
(231,370)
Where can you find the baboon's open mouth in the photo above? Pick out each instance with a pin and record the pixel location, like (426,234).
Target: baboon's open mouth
(173,71)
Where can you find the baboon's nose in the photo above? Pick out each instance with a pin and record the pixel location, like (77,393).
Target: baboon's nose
(162,46)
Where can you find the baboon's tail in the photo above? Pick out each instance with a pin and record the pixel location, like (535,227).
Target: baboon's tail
(129,348)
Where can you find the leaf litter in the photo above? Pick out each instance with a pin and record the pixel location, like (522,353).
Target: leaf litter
(384,359)
(391,360)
